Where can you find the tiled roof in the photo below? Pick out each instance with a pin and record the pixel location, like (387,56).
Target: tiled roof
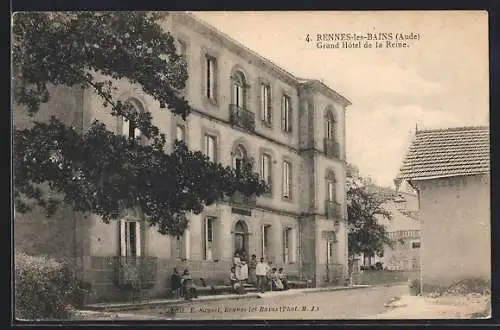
(447,152)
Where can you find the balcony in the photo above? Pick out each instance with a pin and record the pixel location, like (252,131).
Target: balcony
(402,234)
(242,117)
(331,148)
(333,210)
(239,199)
(136,272)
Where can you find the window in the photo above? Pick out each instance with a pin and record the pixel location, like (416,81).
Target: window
(331,191)
(265,106)
(288,245)
(266,229)
(130,238)
(287,179)
(210,145)
(210,77)
(183,245)
(265,171)
(238,92)
(239,158)
(286,114)
(330,126)
(180,133)
(208,238)
(415,245)
(130,130)
(329,252)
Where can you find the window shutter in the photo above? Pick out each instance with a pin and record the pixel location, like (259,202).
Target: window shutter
(125,127)
(283,114)
(284,246)
(269,104)
(263,231)
(186,244)
(138,238)
(289,114)
(123,242)
(292,250)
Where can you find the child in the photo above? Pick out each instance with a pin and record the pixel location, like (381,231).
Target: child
(275,281)
(282,277)
(235,283)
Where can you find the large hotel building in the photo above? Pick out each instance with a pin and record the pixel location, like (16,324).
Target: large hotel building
(244,107)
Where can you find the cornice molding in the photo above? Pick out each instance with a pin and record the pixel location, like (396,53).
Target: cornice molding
(205,29)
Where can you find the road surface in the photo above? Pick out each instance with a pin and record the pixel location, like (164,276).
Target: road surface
(343,304)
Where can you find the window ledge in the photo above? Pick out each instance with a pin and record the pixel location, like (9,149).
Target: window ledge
(267,124)
(210,101)
(287,199)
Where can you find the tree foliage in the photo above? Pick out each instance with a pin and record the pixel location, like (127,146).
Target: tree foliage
(98,170)
(365,210)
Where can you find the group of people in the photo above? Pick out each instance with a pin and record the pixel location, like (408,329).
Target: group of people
(182,285)
(261,274)
(258,273)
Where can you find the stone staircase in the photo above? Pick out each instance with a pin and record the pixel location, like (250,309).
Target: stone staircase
(250,287)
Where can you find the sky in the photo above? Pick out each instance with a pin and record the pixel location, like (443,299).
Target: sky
(439,81)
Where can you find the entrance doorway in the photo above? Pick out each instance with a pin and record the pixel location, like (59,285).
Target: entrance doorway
(241,239)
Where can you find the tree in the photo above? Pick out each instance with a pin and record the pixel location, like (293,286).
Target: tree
(365,209)
(99,171)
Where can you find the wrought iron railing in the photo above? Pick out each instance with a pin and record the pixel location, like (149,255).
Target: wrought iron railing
(239,198)
(331,148)
(399,234)
(136,272)
(242,117)
(333,210)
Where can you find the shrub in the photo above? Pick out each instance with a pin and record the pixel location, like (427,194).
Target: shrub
(469,285)
(44,288)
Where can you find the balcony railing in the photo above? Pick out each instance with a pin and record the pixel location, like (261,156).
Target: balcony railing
(242,117)
(240,199)
(399,234)
(136,272)
(333,210)
(331,148)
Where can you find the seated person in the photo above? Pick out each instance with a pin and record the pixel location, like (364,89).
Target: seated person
(275,282)
(188,288)
(283,279)
(235,283)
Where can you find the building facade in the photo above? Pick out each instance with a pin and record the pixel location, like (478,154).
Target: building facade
(244,108)
(404,232)
(450,170)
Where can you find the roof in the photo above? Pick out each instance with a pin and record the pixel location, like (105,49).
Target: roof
(222,37)
(447,152)
(322,87)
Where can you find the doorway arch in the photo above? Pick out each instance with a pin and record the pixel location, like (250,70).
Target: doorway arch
(240,239)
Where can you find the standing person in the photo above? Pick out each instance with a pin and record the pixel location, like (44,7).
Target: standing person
(244,272)
(252,277)
(175,283)
(188,285)
(261,270)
